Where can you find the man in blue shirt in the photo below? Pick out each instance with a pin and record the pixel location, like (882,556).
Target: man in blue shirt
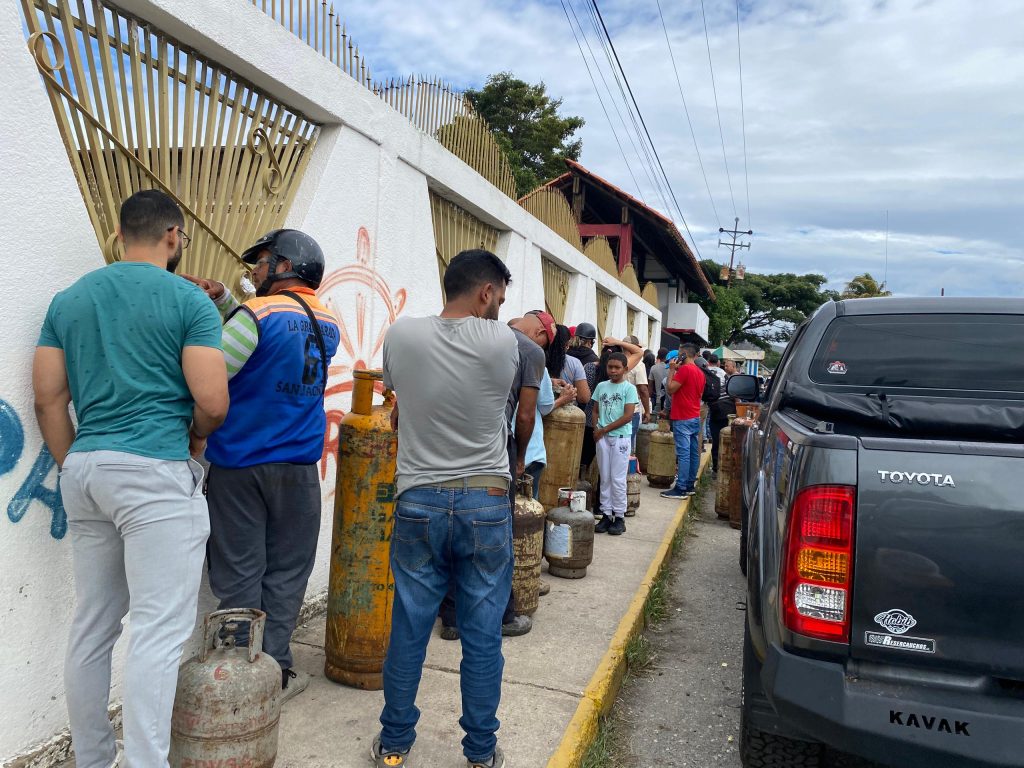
(264,487)
(138,352)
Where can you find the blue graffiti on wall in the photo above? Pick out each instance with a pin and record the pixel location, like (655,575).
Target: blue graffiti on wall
(34,488)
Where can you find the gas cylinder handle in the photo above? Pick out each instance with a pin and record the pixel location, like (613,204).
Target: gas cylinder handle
(216,621)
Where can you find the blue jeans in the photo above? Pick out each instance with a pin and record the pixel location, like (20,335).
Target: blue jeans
(464,536)
(687,436)
(535,469)
(636,429)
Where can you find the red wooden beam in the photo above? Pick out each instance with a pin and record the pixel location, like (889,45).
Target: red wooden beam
(623,232)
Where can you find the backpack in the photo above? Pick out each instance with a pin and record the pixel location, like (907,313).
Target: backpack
(712,386)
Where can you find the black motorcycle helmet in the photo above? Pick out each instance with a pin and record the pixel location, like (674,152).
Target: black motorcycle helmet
(297,247)
(586,331)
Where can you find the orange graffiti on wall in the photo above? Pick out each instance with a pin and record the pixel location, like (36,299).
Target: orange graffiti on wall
(365,308)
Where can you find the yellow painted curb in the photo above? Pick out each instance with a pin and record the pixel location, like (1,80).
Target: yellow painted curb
(604,684)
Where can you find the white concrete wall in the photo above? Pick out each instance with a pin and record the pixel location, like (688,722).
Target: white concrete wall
(364,198)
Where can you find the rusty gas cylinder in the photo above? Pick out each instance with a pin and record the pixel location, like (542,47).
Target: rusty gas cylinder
(527,546)
(227,705)
(587,488)
(569,536)
(725,462)
(594,478)
(563,444)
(361,586)
(633,488)
(643,444)
(740,427)
(661,460)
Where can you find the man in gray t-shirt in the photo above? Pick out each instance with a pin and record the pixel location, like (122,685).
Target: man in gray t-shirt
(449,373)
(453,523)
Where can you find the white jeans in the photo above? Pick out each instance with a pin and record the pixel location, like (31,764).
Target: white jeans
(138,538)
(613,463)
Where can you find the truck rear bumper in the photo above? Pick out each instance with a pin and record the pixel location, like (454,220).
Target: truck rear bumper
(912,725)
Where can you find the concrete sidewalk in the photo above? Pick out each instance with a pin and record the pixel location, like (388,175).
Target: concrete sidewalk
(546,671)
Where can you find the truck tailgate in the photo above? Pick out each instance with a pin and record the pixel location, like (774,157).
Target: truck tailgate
(939,563)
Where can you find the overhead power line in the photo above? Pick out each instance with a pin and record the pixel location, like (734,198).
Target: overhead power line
(714,90)
(647,156)
(743,113)
(643,123)
(686,110)
(629,166)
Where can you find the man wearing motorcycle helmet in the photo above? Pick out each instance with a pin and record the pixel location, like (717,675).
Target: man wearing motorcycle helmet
(264,487)
(583,343)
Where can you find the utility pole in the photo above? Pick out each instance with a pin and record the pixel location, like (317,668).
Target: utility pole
(733,245)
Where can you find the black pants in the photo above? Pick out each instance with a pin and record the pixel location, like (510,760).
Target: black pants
(589,447)
(447,609)
(264,527)
(716,429)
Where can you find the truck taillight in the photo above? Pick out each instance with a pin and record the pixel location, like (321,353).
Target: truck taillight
(818,568)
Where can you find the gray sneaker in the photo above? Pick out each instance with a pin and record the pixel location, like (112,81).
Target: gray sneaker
(519,625)
(497,760)
(293,683)
(382,759)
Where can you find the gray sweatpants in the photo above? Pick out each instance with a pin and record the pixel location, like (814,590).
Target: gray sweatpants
(265,523)
(138,529)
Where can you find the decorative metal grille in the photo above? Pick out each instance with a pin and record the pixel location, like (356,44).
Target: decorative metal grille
(600,252)
(632,316)
(455,230)
(604,304)
(470,139)
(136,110)
(556,289)
(432,105)
(650,294)
(628,278)
(551,208)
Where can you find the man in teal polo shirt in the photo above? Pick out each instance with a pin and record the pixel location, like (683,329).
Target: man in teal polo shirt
(138,352)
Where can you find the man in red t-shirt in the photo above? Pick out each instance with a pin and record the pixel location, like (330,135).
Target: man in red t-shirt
(685,386)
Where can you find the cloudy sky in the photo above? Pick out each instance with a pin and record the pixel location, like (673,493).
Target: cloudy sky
(853,108)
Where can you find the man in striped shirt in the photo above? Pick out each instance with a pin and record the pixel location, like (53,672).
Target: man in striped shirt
(264,488)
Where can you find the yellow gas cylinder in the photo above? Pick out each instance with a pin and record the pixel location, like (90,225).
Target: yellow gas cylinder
(661,459)
(361,585)
(563,443)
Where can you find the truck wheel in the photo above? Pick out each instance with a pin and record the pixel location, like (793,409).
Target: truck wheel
(759,749)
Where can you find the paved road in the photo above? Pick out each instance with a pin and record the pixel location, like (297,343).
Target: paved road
(685,710)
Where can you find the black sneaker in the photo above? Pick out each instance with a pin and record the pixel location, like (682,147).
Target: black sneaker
(449,633)
(618,527)
(605,525)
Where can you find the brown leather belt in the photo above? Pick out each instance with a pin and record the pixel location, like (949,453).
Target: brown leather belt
(491,482)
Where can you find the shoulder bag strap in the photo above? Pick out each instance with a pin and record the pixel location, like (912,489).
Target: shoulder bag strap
(316,331)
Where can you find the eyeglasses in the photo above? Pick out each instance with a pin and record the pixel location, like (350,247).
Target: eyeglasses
(186,241)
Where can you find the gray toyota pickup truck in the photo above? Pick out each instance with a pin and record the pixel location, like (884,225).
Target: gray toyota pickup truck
(883,538)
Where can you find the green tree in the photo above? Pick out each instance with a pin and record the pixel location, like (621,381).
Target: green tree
(864,287)
(528,128)
(763,309)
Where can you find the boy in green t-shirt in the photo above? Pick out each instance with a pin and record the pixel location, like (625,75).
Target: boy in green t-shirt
(614,403)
